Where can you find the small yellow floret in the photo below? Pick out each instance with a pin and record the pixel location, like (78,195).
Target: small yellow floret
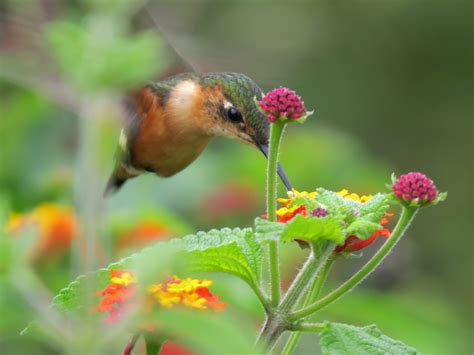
(353,196)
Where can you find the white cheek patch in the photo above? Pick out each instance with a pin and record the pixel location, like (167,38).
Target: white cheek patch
(123,141)
(227,105)
(182,98)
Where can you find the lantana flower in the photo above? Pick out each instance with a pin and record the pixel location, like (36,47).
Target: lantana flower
(290,210)
(56,227)
(283,104)
(352,243)
(121,293)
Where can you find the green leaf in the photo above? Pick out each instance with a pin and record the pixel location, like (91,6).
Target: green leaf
(374,209)
(231,251)
(313,229)
(342,339)
(266,230)
(362,228)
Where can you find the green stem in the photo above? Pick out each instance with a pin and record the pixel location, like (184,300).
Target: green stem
(405,219)
(264,300)
(309,327)
(276,132)
(310,297)
(271,330)
(306,276)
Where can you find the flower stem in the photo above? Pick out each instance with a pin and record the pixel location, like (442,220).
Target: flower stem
(276,132)
(308,273)
(403,223)
(310,327)
(130,345)
(310,297)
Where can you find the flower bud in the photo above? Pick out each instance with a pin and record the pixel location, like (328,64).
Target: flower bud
(283,104)
(415,189)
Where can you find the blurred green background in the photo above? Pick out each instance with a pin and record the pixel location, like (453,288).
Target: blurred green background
(391,84)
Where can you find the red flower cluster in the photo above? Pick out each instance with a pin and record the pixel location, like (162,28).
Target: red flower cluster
(282,102)
(416,187)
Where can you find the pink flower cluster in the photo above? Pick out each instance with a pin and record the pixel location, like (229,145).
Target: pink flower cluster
(415,187)
(282,102)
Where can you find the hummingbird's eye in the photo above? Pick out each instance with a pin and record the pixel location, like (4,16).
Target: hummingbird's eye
(234,115)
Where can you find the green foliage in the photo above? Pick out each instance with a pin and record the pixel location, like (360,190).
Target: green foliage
(92,59)
(344,339)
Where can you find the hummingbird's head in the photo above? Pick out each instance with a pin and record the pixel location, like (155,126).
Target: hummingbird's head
(235,113)
(233,108)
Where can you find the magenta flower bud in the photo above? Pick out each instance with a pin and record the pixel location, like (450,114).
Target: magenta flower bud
(283,103)
(319,212)
(415,188)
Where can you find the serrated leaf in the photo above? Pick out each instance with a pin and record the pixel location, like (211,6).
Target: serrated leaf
(374,209)
(232,251)
(313,229)
(266,230)
(344,339)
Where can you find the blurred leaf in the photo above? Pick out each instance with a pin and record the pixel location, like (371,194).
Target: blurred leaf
(232,251)
(93,60)
(210,333)
(341,339)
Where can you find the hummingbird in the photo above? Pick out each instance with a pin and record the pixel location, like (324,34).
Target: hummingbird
(171,122)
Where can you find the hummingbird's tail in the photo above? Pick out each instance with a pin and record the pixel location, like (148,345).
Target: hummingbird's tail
(113,185)
(116,180)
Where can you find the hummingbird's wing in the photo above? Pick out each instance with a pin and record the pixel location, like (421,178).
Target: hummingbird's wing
(26,60)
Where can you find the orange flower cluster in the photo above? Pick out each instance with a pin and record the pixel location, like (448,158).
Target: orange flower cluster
(56,227)
(190,293)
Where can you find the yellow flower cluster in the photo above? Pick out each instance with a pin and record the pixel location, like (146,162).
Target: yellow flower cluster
(188,292)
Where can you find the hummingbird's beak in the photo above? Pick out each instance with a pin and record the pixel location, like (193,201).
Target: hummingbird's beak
(264,149)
